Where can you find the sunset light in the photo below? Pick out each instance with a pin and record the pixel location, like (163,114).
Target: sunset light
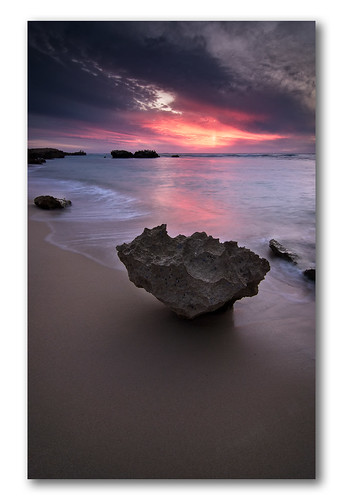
(208,132)
(171,250)
(204,89)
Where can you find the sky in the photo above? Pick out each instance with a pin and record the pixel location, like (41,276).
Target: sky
(172,86)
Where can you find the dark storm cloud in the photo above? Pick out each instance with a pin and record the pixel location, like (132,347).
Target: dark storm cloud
(87,70)
(62,54)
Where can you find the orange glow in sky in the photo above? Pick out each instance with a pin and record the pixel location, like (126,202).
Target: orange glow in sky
(206,132)
(220,87)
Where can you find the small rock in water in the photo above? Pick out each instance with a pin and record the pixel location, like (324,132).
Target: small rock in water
(50,202)
(310,274)
(192,275)
(282,251)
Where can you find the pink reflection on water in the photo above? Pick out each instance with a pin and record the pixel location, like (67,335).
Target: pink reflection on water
(192,201)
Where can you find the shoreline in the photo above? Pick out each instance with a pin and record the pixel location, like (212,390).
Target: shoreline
(119,387)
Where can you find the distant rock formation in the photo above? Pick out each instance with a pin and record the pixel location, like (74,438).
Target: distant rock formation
(120,153)
(47,202)
(192,275)
(76,153)
(281,251)
(175,156)
(146,153)
(40,155)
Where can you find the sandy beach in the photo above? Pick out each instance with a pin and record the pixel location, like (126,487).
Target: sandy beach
(120,388)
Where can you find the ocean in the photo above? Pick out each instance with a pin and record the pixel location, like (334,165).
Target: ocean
(248,198)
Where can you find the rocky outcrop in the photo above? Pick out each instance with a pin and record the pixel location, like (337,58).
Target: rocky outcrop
(121,153)
(76,153)
(48,202)
(146,153)
(40,155)
(281,251)
(192,275)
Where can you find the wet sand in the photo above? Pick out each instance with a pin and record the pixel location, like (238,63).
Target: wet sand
(119,387)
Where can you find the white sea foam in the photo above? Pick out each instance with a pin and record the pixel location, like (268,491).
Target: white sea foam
(246,198)
(89,202)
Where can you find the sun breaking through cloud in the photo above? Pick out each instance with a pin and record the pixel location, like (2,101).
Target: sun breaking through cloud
(220,86)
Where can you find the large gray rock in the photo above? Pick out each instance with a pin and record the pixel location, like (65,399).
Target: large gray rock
(192,275)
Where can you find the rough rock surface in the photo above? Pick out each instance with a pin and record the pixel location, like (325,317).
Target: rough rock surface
(50,203)
(282,251)
(192,275)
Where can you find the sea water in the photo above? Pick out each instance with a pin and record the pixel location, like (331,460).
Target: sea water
(246,198)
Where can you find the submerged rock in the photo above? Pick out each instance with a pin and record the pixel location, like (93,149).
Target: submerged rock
(192,275)
(282,251)
(50,203)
